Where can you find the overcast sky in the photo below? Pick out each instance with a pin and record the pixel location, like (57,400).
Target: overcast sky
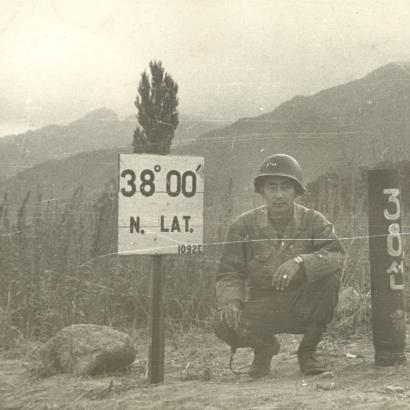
(231,58)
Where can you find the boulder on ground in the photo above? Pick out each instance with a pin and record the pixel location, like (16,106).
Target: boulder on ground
(87,350)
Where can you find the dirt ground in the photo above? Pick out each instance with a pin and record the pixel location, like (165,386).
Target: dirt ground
(197,376)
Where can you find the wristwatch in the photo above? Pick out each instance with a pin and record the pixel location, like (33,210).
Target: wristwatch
(298,259)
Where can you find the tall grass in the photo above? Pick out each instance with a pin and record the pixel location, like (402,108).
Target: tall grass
(58,261)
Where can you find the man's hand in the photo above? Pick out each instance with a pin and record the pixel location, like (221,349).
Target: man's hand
(231,313)
(289,273)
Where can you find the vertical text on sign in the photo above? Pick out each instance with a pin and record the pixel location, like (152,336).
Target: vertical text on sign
(394,240)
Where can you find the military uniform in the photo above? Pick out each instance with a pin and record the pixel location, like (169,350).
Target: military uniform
(279,271)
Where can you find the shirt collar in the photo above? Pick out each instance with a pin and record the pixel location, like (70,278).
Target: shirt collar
(296,219)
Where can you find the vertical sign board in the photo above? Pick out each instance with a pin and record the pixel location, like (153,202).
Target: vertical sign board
(386,267)
(160,211)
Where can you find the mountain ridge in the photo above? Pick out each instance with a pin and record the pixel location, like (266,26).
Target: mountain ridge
(98,129)
(335,129)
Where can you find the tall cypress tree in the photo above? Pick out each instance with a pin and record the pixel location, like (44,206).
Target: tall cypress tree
(157,115)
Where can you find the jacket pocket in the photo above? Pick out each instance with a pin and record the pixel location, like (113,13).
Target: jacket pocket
(262,263)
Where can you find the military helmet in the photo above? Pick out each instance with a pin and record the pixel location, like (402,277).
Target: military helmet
(281,165)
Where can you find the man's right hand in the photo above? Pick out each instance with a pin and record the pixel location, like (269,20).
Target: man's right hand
(231,313)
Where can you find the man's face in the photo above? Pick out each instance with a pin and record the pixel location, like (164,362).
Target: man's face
(279,193)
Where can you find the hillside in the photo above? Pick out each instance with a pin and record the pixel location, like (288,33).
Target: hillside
(59,245)
(359,123)
(99,129)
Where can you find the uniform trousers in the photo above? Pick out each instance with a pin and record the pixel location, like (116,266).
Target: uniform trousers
(267,312)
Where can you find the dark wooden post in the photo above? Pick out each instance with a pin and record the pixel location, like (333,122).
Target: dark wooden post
(386,267)
(157,340)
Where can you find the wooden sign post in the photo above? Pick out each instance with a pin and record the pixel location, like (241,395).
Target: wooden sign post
(386,267)
(160,211)
(156,354)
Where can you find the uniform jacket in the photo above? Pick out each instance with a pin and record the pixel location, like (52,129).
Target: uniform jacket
(252,252)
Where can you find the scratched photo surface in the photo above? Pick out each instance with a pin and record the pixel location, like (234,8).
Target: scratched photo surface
(146,229)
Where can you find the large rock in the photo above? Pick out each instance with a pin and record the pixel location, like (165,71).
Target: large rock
(87,350)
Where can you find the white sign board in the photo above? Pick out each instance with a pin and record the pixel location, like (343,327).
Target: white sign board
(160,204)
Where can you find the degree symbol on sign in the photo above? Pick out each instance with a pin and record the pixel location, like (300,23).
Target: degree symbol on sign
(157,168)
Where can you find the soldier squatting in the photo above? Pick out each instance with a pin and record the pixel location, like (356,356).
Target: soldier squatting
(279,272)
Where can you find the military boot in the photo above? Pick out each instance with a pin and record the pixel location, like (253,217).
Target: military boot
(262,357)
(309,363)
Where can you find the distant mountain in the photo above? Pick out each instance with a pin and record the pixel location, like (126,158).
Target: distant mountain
(359,123)
(99,129)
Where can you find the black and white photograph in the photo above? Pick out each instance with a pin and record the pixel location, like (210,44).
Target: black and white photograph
(204,204)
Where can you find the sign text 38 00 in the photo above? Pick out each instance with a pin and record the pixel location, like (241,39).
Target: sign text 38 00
(176,182)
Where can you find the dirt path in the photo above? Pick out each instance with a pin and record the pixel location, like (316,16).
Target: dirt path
(197,377)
